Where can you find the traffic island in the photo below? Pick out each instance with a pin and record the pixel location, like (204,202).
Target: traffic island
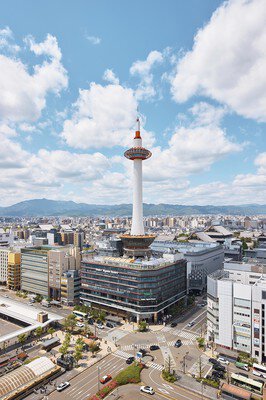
(131,374)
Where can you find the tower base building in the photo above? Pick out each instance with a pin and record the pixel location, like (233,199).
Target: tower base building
(134,289)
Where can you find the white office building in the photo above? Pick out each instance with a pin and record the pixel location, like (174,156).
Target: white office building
(236,307)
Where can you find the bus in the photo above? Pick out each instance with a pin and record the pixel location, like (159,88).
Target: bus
(259,370)
(233,392)
(80,314)
(247,383)
(241,365)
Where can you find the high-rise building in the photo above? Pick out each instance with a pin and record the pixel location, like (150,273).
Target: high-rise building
(13,270)
(3,265)
(42,269)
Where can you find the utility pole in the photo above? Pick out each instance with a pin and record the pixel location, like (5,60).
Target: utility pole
(98,374)
(200,367)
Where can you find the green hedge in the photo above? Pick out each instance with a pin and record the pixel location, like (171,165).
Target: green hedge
(131,374)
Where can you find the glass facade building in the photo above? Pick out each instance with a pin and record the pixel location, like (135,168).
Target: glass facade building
(135,290)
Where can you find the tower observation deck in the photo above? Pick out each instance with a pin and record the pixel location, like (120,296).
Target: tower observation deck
(137,243)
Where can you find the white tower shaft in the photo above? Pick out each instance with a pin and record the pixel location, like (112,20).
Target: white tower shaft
(137,227)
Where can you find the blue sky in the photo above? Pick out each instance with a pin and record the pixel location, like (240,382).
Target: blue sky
(74,75)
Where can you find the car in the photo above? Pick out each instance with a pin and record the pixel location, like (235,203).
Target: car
(109,325)
(62,386)
(130,360)
(257,373)
(190,324)
(178,343)
(143,351)
(147,389)
(100,326)
(213,361)
(173,324)
(105,378)
(218,367)
(222,360)
(91,321)
(80,324)
(218,374)
(154,347)
(30,304)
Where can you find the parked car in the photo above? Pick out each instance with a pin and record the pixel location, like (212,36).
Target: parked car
(110,325)
(154,347)
(80,324)
(218,367)
(213,361)
(192,323)
(173,324)
(105,378)
(178,343)
(222,360)
(130,360)
(91,321)
(218,374)
(100,326)
(147,389)
(62,386)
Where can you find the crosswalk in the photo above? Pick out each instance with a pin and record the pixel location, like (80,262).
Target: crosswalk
(188,342)
(150,364)
(155,366)
(181,333)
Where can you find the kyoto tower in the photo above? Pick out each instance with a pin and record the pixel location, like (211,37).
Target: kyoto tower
(137,243)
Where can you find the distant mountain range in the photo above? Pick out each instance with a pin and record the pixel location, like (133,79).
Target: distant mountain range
(45,207)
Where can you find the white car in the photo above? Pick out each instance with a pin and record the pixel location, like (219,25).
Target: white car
(147,389)
(192,323)
(222,360)
(257,373)
(80,324)
(100,326)
(62,386)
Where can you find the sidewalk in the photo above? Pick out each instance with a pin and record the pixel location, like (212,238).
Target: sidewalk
(133,327)
(189,383)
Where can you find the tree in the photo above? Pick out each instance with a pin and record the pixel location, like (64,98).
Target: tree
(168,364)
(70,322)
(63,350)
(77,355)
(86,329)
(101,316)
(22,339)
(93,348)
(142,326)
(39,331)
(51,331)
(201,342)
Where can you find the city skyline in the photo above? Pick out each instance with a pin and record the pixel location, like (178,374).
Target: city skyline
(71,93)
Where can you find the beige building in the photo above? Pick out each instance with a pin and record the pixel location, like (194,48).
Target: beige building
(13,270)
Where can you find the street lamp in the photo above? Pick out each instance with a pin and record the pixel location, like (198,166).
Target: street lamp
(98,373)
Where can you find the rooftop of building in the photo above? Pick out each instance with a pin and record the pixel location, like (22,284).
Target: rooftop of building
(16,381)
(152,263)
(186,247)
(24,313)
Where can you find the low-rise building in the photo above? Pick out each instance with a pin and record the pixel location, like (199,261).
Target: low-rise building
(202,259)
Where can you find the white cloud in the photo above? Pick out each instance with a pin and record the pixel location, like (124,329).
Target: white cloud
(145,89)
(23,95)
(94,39)
(104,117)
(6,38)
(110,77)
(228,60)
